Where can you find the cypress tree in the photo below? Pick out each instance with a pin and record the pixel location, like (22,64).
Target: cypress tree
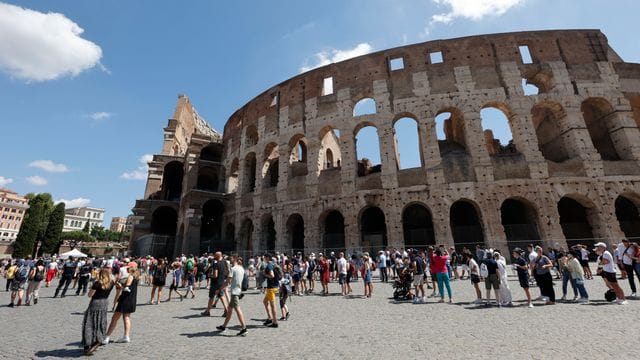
(52,236)
(86,228)
(30,228)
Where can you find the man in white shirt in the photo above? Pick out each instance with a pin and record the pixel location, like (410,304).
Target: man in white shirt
(625,262)
(342,273)
(237,276)
(609,272)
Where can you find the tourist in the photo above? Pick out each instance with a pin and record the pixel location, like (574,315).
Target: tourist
(367,273)
(382,266)
(433,277)
(439,265)
(489,271)
(191,278)
(68,273)
(10,273)
(417,269)
(332,266)
(577,275)
(608,272)
(454,261)
(235,287)
(284,292)
(84,275)
(522,268)
(563,260)
(176,276)
(36,275)
(542,267)
(273,281)
(343,269)
(463,261)
(126,304)
(297,274)
(159,279)
(584,261)
(52,271)
(21,275)
(223,295)
(626,252)
(94,324)
(217,278)
(200,271)
(325,275)
(351,270)
(636,258)
(474,275)
(505,291)
(304,267)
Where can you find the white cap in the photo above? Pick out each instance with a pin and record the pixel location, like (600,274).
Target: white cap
(600,244)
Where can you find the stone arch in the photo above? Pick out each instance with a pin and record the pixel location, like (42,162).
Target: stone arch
(251,136)
(578,217)
(212,152)
(268,227)
(332,226)
(230,235)
(208,179)
(234,174)
(298,156)
(597,114)
(367,149)
(628,216)
(417,226)
(211,227)
(164,225)
(246,236)
(496,125)
(365,106)
(406,133)
(330,155)
(466,224)
(295,233)
(172,177)
(546,117)
(634,101)
(519,219)
(373,229)
(451,130)
(270,171)
(249,175)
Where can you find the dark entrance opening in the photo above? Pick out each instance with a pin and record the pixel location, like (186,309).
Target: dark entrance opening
(212,152)
(466,227)
(269,234)
(333,238)
(164,223)
(211,227)
(172,181)
(519,222)
(208,179)
(417,226)
(230,235)
(246,237)
(373,228)
(295,232)
(575,223)
(627,214)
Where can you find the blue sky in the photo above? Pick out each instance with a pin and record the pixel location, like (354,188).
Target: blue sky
(78,115)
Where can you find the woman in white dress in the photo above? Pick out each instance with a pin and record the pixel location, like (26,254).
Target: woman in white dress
(505,292)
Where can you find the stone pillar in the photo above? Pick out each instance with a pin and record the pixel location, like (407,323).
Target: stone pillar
(526,140)
(624,134)
(312,233)
(393,218)
(349,163)
(314,166)
(352,237)
(430,150)
(475,146)
(440,213)
(283,171)
(386,139)
(578,141)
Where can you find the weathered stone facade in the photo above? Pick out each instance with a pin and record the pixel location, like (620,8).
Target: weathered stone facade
(289,176)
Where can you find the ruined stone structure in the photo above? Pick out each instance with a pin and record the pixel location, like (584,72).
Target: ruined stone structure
(285,174)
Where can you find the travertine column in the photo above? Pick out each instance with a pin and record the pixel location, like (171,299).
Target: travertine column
(474,139)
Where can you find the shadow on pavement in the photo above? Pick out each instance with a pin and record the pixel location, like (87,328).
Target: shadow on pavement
(60,353)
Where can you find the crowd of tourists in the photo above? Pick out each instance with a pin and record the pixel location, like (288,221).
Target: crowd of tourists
(280,276)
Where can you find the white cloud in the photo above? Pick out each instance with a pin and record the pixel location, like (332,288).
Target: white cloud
(49,166)
(334,55)
(73,203)
(37,180)
(473,9)
(141,172)
(100,115)
(35,46)
(5,181)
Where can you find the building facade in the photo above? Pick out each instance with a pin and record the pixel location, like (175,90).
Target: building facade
(118,224)
(12,210)
(75,219)
(287,174)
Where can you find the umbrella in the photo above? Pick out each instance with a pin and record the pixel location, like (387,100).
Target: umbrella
(75,253)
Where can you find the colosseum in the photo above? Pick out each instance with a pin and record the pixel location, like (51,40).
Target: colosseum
(286,173)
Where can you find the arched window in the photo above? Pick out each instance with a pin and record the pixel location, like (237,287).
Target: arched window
(212,152)
(329,159)
(329,148)
(234,174)
(365,106)
(368,150)
(450,132)
(497,132)
(596,113)
(546,120)
(251,135)
(407,142)
(250,173)
(298,156)
(270,171)
(172,180)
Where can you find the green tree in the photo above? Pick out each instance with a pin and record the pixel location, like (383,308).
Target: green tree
(86,228)
(52,239)
(77,236)
(31,228)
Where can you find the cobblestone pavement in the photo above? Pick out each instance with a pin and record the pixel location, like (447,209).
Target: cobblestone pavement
(338,327)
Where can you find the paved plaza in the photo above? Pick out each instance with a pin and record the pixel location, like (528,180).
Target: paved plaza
(336,327)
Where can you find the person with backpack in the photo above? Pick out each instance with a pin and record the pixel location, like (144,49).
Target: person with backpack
(489,271)
(367,274)
(68,273)
(417,269)
(285,290)
(239,283)
(311,269)
(84,275)
(521,265)
(10,273)
(36,275)
(159,280)
(217,277)
(19,281)
(273,274)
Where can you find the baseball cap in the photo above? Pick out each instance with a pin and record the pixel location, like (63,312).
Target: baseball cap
(600,244)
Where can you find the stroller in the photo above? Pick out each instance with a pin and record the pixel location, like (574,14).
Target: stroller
(402,286)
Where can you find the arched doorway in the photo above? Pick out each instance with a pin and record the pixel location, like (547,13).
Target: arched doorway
(164,224)
(211,227)
(172,180)
(268,234)
(333,237)
(417,226)
(373,230)
(574,220)
(212,152)
(466,227)
(208,179)
(519,222)
(246,237)
(230,236)
(295,233)
(628,217)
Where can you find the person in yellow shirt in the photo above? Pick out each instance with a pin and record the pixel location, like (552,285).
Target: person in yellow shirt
(10,274)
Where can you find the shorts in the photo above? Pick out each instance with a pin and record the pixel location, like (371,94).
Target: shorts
(173,287)
(584,263)
(270,294)
(190,279)
(17,285)
(348,278)
(610,277)
(234,302)
(418,280)
(342,279)
(475,279)
(492,281)
(296,276)
(524,281)
(213,291)
(283,300)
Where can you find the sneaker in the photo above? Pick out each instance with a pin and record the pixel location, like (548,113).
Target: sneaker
(242,332)
(282,318)
(564,298)
(273,325)
(478,301)
(205,313)
(583,301)
(10,304)
(224,314)
(423,300)
(221,328)
(530,305)
(621,302)
(105,341)
(633,295)
(287,317)
(124,340)
(35,301)
(267,323)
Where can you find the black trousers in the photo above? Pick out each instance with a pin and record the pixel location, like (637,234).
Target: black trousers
(65,281)
(545,282)
(630,272)
(384,277)
(83,281)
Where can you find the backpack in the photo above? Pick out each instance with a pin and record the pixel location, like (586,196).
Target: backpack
(312,266)
(39,275)
(23,273)
(277,272)
(484,271)
(189,265)
(245,282)
(610,295)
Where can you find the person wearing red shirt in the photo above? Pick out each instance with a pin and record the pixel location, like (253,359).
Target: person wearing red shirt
(439,267)
(324,274)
